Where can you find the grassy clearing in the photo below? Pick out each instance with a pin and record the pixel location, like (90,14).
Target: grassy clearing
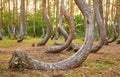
(29,41)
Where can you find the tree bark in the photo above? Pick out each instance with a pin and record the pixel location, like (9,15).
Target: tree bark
(118,15)
(114,32)
(56,49)
(101,28)
(1,20)
(48,34)
(57,20)
(106,21)
(34,23)
(22,11)
(60,27)
(9,19)
(71,62)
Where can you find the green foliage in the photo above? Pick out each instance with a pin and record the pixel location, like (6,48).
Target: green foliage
(78,21)
(79,26)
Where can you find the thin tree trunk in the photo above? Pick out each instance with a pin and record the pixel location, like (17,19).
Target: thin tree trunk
(60,27)
(56,49)
(74,61)
(57,20)
(114,32)
(106,21)
(49,7)
(48,34)
(118,15)
(15,18)
(1,20)
(9,19)
(34,23)
(22,11)
(42,21)
(26,12)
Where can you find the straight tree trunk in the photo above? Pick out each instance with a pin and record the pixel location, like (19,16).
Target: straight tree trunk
(49,7)
(42,20)
(15,18)
(106,21)
(74,61)
(1,20)
(25,22)
(9,19)
(22,11)
(34,23)
(48,34)
(57,19)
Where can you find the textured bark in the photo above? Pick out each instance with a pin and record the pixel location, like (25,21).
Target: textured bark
(57,49)
(49,7)
(101,28)
(48,34)
(15,18)
(114,33)
(42,20)
(60,27)
(22,11)
(57,20)
(26,17)
(71,62)
(101,8)
(106,20)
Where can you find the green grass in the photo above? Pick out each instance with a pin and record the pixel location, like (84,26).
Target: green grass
(29,41)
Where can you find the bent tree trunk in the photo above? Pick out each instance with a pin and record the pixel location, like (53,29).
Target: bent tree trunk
(22,10)
(118,13)
(114,33)
(22,58)
(47,36)
(60,27)
(101,28)
(71,35)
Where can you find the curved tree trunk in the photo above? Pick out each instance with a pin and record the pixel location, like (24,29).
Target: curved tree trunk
(79,57)
(48,34)
(60,27)
(114,31)
(71,35)
(106,20)
(101,28)
(22,11)
(118,13)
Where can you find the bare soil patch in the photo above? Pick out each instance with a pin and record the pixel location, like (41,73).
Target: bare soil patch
(106,62)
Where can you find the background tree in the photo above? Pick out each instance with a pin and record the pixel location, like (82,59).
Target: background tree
(118,14)
(71,62)
(22,11)
(48,33)
(9,19)
(34,24)
(1,18)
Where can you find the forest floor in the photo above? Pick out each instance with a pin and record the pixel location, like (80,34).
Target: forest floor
(104,63)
